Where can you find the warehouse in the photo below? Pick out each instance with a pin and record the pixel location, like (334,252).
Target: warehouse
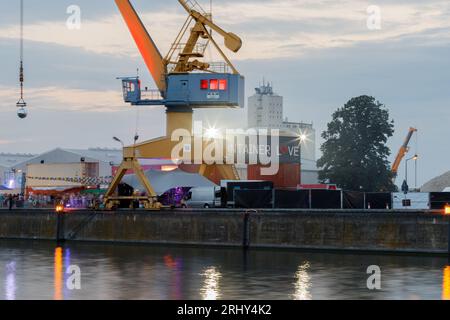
(50,169)
(62,169)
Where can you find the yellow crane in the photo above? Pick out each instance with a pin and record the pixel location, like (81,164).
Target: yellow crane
(184,83)
(402,152)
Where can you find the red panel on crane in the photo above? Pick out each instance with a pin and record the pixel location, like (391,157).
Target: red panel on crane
(214,84)
(223,84)
(204,84)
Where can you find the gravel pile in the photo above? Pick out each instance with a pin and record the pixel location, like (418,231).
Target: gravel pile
(437,184)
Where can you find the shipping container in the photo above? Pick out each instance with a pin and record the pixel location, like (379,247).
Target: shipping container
(419,200)
(228,188)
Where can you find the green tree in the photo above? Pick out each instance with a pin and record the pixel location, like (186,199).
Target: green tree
(355,151)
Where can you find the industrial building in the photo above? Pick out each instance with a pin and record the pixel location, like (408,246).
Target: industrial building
(58,168)
(61,169)
(265,111)
(106,158)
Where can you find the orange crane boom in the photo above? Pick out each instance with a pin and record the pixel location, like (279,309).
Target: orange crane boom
(402,152)
(150,53)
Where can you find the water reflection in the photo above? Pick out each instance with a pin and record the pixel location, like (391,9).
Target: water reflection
(10,283)
(162,272)
(303,283)
(67,263)
(446,284)
(211,285)
(170,262)
(176,276)
(58,274)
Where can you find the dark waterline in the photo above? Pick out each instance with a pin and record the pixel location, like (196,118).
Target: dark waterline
(37,270)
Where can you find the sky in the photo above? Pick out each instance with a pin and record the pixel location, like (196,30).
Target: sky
(317,53)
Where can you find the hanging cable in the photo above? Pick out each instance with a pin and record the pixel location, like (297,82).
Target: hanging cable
(21,78)
(136,135)
(21,104)
(415,162)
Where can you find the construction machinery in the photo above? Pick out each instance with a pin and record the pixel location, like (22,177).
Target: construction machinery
(402,152)
(184,82)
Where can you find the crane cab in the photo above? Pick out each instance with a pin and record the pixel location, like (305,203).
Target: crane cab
(195,90)
(205,90)
(131,89)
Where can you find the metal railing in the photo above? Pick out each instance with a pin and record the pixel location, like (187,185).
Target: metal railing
(194,5)
(151,94)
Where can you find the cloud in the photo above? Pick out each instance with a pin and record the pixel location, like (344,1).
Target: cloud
(57,98)
(6,141)
(270,29)
(108,35)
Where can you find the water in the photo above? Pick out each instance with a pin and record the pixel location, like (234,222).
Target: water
(37,270)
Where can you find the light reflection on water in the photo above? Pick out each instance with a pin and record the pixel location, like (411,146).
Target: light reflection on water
(211,289)
(58,274)
(10,283)
(302,285)
(37,270)
(446,284)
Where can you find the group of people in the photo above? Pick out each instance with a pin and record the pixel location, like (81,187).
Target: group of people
(11,200)
(71,200)
(81,201)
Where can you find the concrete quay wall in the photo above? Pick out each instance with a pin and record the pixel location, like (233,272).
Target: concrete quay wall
(370,230)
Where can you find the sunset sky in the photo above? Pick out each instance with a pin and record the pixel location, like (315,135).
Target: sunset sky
(317,53)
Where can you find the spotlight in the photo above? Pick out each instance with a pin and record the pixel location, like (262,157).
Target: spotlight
(22,112)
(212,133)
(302,137)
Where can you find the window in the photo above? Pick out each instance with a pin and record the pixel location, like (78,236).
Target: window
(223,84)
(214,84)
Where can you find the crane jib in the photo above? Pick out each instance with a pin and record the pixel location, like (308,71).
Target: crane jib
(181,85)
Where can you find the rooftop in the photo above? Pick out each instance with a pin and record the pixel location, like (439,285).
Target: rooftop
(265,89)
(10,159)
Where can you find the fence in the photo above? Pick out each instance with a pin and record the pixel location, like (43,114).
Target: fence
(328,199)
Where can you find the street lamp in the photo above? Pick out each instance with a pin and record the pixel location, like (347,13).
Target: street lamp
(120,141)
(415,157)
(447,210)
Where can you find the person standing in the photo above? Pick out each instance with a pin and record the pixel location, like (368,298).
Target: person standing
(10,201)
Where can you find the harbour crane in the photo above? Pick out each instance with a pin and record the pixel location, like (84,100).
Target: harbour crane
(184,82)
(404,149)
